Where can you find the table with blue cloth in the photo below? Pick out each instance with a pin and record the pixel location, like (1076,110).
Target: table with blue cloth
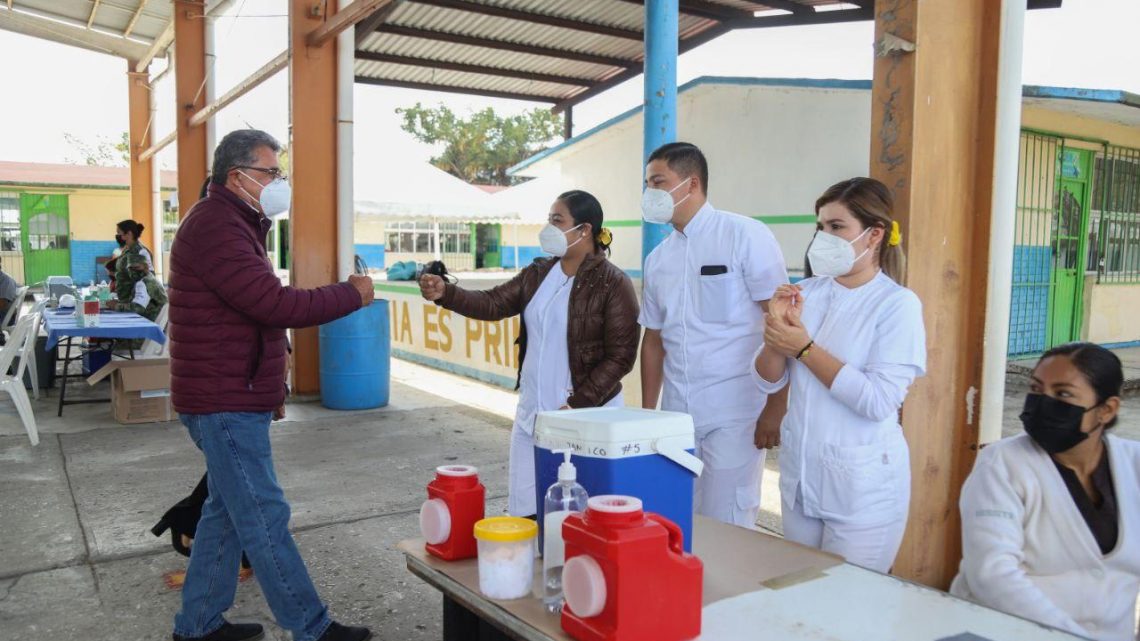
(63,328)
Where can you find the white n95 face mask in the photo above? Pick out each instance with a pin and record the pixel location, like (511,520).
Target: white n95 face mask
(657,204)
(275,197)
(832,256)
(553,240)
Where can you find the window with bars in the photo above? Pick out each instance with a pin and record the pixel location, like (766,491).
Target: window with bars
(169,224)
(9,221)
(419,237)
(1114,228)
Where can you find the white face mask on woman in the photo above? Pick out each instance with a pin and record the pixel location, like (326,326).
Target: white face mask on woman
(553,240)
(657,204)
(833,256)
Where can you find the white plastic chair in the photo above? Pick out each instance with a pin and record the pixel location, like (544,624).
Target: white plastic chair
(152,349)
(13,312)
(28,354)
(13,384)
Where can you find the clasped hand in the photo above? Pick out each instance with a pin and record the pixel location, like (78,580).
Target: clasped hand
(783,330)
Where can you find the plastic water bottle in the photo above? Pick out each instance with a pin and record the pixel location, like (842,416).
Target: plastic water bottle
(562,499)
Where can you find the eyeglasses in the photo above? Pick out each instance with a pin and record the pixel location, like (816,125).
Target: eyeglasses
(272,171)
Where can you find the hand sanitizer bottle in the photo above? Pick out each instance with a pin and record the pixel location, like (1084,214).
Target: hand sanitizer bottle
(562,499)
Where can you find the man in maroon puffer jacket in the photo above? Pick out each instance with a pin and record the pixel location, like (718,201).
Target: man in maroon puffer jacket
(228,316)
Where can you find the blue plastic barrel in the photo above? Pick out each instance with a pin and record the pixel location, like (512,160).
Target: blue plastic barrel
(355,355)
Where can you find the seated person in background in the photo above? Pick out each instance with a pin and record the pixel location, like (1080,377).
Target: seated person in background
(137,290)
(1049,517)
(8,287)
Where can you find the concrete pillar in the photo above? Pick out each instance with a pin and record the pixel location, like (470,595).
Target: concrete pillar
(933,142)
(140,133)
(190,96)
(660,122)
(313,167)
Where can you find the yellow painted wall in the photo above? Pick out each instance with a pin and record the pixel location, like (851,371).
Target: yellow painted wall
(1113,313)
(93,213)
(1076,125)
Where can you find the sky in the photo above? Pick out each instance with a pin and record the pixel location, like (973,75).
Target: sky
(57,89)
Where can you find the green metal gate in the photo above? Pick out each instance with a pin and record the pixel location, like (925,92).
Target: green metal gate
(45,236)
(1054,185)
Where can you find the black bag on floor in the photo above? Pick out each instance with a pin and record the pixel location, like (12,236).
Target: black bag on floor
(182,520)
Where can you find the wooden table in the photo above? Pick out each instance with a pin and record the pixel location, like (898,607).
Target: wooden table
(757,586)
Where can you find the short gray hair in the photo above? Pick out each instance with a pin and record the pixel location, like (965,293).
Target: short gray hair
(237,150)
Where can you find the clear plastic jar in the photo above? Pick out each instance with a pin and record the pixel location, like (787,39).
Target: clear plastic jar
(506,556)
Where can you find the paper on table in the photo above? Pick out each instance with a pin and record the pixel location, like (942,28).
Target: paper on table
(736,560)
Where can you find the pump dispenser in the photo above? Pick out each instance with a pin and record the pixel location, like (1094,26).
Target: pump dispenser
(562,499)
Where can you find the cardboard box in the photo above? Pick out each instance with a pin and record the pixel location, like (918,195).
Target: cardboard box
(140,390)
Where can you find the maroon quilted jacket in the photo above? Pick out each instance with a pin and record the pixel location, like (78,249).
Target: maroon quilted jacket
(229,311)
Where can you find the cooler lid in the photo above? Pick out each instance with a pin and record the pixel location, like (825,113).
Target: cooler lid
(613,425)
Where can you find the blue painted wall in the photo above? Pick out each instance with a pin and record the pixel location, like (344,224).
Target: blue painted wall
(372,254)
(526,255)
(83,255)
(1029,309)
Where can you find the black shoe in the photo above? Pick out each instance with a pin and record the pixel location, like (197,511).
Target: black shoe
(229,632)
(338,632)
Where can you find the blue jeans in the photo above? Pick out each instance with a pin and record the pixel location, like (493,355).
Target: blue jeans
(247,511)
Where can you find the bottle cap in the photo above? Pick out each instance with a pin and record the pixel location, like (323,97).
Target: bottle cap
(566,470)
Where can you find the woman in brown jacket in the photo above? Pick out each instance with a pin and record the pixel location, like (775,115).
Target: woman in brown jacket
(578,333)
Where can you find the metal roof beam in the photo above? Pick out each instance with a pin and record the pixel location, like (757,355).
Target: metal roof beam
(49,26)
(160,44)
(467,68)
(94,10)
(752,22)
(505,45)
(134,18)
(270,69)
(368,26)
(344,19)
(706,10)
(404,84)
(158,146)
(795,7)
(534,17)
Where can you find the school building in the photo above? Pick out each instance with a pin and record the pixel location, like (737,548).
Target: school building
(59,220)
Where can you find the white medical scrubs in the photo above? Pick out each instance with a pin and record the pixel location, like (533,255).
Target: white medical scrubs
(844,464)
(711,324)
(545,385)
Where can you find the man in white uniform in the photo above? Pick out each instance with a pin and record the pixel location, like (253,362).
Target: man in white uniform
(706,289)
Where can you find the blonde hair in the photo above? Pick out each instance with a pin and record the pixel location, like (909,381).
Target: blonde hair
(871,203)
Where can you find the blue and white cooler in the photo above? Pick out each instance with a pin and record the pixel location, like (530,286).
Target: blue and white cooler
(632,452)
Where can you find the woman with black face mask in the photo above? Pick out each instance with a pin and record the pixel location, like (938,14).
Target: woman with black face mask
(1050,518)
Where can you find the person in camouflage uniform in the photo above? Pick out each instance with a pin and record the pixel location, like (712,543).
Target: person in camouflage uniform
(133,271)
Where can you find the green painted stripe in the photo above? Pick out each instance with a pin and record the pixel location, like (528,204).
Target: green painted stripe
(778,219)
(789,219)
(397,289)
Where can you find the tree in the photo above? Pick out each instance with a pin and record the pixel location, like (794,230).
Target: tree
(103,153)
(481,147)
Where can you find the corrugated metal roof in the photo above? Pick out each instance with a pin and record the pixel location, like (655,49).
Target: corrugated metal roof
(546,50)
(110,16)
(59,175)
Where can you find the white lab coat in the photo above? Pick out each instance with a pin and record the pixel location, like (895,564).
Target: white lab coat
(842,451)
(545,383)
(1027,551)
(710,325)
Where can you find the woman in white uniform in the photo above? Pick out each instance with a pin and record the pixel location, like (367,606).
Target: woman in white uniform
(849,341)
(578,336)
(1050,518)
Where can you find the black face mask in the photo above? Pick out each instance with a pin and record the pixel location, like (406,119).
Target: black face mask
(1054,424)
(119,239)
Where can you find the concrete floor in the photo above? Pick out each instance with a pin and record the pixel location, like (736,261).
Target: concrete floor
(77,560)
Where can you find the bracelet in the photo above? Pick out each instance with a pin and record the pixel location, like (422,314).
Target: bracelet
(805,351)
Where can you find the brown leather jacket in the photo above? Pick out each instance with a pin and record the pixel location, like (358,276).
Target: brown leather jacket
(602,327)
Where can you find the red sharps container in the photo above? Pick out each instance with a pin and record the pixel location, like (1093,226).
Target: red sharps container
(627,577)
(447,519)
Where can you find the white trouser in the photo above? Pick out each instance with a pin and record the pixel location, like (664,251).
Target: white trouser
(520,474)
(728,489)
(870,546)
